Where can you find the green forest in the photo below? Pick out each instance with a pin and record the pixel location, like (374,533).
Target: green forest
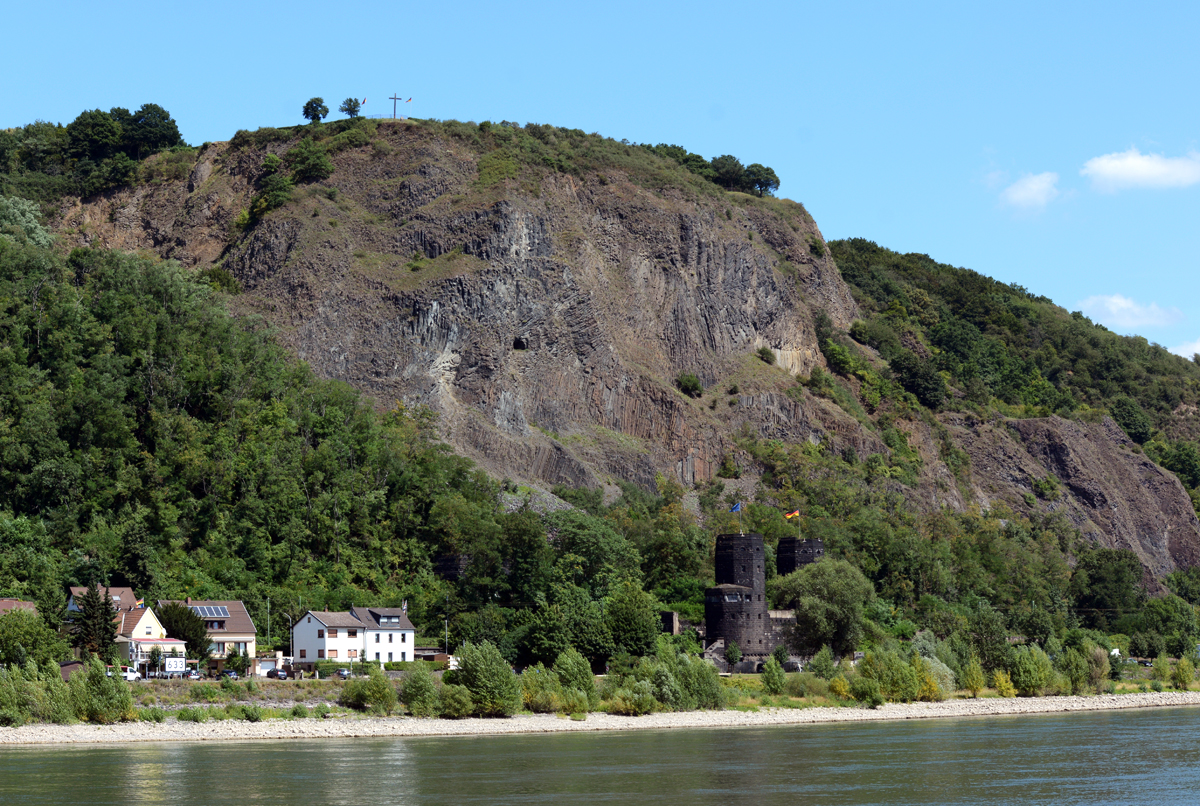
(150,438)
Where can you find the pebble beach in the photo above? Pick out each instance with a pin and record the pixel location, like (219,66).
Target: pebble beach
(343,726)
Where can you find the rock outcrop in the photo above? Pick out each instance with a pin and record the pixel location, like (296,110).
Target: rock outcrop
(546,316)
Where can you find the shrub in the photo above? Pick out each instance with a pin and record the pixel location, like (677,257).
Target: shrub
(1162,668)
(773,678)
(766,354)
(866,691)
(375,694)
(455,702)
(419,692)
(574,672)
(839,688)
(689,384)
(1098,668)
(191,715)
(1156,685)
(1031,671)
(635,700)
(973,680)
(299,711)
(494,688)
(252,713)
(152,715)
(321,711)
(898,681)
(1074,668)
(540,690)
(822,664)
(309,161)
(1003,684)
(1183,674)
(100,698)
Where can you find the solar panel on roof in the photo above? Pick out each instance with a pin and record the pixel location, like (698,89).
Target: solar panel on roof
(222,611)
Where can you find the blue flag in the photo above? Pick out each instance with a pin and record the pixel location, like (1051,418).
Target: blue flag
(737,507)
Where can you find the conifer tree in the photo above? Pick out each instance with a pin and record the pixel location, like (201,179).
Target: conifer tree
(94,629)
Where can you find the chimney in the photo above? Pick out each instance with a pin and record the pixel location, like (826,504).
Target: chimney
(189,601)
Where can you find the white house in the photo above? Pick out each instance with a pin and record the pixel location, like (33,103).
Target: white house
(389,635)
(138,632)
(363,633)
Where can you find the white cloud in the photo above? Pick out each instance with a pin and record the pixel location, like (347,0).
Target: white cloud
(1133,169)
(1187,350)
(1032,191)
(1122,313)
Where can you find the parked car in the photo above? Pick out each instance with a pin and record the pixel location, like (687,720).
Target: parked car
(277,674)
(193,675)
(343,673)
(231,674)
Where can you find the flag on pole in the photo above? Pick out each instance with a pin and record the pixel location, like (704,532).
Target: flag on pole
(737,507)
(409,101)
(404,607)
(141,602)
(793,514)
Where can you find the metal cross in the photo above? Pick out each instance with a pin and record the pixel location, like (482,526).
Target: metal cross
(393,99)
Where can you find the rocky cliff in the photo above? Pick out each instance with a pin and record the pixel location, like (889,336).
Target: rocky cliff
(546,315)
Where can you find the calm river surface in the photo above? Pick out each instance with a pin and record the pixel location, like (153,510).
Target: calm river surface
(1150,756)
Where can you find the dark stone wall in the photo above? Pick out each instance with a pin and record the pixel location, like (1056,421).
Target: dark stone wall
(736,608)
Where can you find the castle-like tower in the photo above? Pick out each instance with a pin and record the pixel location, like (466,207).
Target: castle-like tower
(736,607)
(794,553)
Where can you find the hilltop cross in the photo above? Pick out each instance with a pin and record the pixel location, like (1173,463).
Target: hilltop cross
(394,99)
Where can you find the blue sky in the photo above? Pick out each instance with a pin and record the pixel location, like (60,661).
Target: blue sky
(1054,148)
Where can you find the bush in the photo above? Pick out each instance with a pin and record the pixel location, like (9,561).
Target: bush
(866,691)
(1074,668)
(839,688)
(1183,674)
(299,711)
(689,384)
(455,702)
(1032,671)
(309,161)
(822,664)
(635,700)
(99,698)
(767,355)
(973,679)
(191,715)
(898,681)
(1003,684)
(375,694)
(494,688)
(252,713)
(419,692)
(152,715)
(540,690)
(575,673)
(1162,668)
(321,711)
(773,678)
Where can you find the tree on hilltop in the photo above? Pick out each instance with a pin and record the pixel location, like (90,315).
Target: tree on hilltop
(315,109)
(350,108)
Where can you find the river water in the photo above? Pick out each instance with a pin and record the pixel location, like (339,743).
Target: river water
(1150,756)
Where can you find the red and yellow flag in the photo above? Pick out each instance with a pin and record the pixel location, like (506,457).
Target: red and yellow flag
(793,514)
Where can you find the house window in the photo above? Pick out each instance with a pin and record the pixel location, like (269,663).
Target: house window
(320,653)
(389,657)
(376,656)
(303,653)
(320,633)
(333,653)
(402,655)
(389,638)
(404,638)
(377,641)
(352,653)
(352,633)
(147,629)
(310,620)
(333,632)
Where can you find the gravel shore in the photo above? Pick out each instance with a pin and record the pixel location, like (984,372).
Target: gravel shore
(354,726)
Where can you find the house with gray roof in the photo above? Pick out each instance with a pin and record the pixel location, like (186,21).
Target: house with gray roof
(381,634)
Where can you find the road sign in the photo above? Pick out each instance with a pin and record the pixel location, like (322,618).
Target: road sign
(174,664)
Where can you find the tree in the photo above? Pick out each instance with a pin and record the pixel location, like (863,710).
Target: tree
(632,619)
(94,135)
(733,653)
(494,689)
(973,679)
(575,673)
(761,178)
(1074,667)
(829,597)
(1031,671)
(822,664)
(151,128)
(773,678)
(689,384)
(1130,416)
(309,161)
(19,222)
(350,108)
(1183,674)
(95,632)
(728,172)
(315,109)
(24,637)
(156,657)
(185,624)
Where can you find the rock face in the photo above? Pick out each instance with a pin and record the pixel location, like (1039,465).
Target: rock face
(545,317)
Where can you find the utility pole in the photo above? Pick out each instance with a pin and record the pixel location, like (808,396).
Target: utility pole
(269,621)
